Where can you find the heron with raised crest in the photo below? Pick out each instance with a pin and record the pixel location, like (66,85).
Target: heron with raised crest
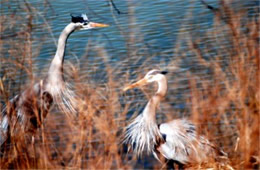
(25,112)
(177,141)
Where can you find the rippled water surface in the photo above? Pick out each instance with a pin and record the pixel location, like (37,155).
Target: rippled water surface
(148,34)
(151,30)
(154,26)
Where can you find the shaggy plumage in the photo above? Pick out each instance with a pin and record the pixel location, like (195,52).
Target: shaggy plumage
(25,112)
(142,135)
(176,140)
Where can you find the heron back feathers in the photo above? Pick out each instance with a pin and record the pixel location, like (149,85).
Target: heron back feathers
(183,144)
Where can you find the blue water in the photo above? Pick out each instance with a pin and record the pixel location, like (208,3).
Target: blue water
(149,34)
(155,27)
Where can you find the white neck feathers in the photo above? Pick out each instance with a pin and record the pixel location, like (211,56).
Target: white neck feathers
(55,73)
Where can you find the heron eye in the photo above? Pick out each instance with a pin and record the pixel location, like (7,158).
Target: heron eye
(85,23)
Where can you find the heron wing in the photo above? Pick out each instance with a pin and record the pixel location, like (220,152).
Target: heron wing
(182,142)
(22,110)
(4,121)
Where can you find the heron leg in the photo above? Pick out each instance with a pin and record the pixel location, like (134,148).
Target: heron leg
(173,164)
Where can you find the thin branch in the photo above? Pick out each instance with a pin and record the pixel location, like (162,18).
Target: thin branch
(213,9)
(116,9)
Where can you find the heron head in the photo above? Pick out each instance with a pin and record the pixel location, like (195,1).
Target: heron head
(82,22)
(151,76)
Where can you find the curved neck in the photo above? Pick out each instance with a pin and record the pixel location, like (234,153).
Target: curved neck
(55,72)
(150,109)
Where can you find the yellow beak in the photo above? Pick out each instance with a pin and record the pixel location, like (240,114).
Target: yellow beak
(137,84)
(97,25)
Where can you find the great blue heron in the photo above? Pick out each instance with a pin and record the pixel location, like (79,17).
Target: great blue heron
(177,140)
(26,111)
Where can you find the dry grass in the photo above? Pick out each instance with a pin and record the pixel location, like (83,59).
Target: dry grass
(225,103)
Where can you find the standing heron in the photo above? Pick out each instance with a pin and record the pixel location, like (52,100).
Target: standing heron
(26,111)
(177,140)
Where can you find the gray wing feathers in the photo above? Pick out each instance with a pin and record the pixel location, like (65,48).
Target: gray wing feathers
(182,142)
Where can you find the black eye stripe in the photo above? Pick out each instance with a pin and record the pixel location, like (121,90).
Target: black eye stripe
(164,72)
(78,18)
(158,72)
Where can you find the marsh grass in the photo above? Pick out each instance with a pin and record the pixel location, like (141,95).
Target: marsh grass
(223,101)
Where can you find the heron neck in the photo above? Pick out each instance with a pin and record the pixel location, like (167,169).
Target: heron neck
(150,109)
(56,67)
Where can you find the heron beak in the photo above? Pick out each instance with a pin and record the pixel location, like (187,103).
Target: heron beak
(97,25)
(137,84)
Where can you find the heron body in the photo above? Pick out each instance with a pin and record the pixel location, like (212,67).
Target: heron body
(175,140)
(25,112)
